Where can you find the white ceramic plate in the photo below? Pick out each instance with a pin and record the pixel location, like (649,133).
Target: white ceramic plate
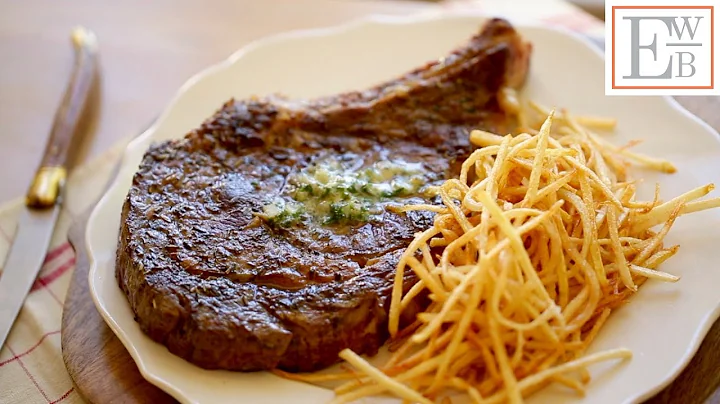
(663,324)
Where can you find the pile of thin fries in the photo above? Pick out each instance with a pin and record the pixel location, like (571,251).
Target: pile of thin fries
(537,241)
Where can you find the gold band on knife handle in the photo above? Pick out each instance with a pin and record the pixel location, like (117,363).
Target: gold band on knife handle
(47,186)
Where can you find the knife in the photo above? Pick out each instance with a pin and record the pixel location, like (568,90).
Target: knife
(44,197)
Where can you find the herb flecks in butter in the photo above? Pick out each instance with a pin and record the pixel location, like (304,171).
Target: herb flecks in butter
(283,213)
(332,192)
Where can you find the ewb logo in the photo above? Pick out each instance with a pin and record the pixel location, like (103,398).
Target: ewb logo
(660,49)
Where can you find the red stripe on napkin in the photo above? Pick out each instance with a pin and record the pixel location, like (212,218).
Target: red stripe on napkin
(55,297)
(32,348)
(64,396)
(29,375)
(56,252)
(44,281)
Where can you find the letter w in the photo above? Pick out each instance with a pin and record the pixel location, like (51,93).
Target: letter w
(686,24)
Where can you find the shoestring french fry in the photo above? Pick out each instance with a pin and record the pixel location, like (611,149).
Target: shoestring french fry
(536,242)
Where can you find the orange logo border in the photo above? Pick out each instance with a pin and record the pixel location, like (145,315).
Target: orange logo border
(712,50)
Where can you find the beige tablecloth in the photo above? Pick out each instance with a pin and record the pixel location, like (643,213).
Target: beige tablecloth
(31,365)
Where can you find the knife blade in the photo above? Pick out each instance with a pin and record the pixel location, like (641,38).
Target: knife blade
(43,200)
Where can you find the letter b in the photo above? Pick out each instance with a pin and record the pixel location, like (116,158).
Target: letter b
(682,63)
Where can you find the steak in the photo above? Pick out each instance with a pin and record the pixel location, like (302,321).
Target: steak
(265,238)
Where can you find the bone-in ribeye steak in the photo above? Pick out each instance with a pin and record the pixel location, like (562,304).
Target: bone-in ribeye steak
(237,253)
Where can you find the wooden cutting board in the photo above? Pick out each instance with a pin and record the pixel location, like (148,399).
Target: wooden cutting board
(104,372)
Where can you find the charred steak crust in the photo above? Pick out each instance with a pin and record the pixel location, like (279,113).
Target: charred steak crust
(225,290)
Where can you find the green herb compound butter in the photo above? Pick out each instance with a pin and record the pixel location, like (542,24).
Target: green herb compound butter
(331,192)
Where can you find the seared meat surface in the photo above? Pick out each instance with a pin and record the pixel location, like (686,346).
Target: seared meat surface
(263,238)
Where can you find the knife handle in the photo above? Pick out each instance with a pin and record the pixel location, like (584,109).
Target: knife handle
(49,180)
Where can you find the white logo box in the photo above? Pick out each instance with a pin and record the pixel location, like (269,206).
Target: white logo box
(661,47)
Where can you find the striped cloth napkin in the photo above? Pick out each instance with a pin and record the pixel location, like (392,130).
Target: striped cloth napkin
(31,365)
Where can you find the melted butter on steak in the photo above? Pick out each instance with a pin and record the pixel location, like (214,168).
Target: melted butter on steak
(348,188)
